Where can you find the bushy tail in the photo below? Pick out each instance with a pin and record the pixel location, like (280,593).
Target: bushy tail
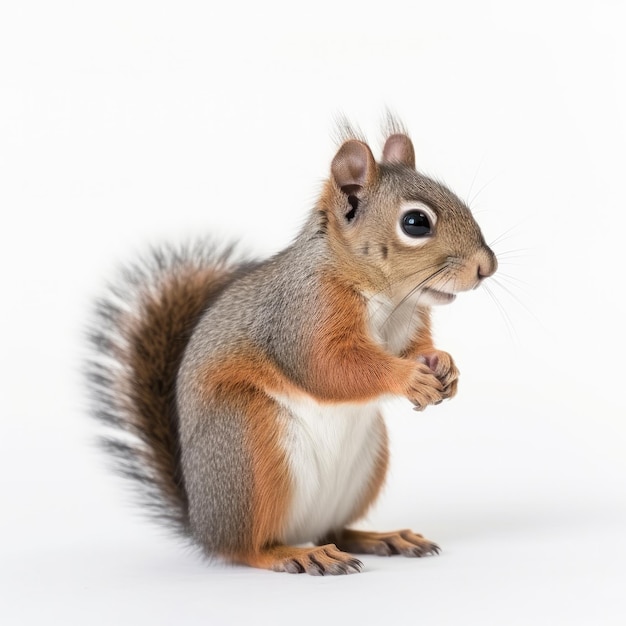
(140,332)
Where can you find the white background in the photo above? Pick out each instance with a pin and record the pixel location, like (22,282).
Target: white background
(124,123)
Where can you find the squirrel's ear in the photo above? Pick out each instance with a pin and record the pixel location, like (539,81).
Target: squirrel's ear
(399,149)
(354,166)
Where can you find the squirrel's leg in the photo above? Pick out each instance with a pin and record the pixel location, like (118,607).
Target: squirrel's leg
(272,490)
(250,499)
(404,542)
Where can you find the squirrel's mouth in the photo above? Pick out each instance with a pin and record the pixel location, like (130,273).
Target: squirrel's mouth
(438,297)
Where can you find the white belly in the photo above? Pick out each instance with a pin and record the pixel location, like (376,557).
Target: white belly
(332,452)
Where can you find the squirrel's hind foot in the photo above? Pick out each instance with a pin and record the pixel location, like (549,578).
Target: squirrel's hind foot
(318,561)
(404,542)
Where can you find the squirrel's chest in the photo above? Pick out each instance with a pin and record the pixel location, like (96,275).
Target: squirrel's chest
(333,454)
(393,324)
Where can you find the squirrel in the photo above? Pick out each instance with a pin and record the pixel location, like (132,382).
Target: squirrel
(244,397)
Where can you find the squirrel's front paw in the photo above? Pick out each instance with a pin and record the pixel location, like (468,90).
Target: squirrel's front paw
(442,366)
(425,388)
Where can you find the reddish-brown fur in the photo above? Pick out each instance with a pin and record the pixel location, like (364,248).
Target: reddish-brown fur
(345,364)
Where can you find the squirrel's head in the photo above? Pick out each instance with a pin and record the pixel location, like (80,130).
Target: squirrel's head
(399,231)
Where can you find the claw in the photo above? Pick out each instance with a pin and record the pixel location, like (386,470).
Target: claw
(354,566)
(293,567)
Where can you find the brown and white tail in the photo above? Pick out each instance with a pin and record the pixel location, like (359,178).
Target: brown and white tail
(138,338)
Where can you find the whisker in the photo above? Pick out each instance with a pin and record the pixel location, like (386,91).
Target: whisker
(503,313)
(505,235)
(402,279)
(416,288)
(374,312)
(511,277)
(443,285)
(413,290)
(480,164)
(518,252)
(516,298)
(482,189)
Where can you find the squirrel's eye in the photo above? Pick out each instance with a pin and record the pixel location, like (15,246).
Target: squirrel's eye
(416,224)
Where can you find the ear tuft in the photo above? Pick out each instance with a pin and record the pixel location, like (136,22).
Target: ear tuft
(354,166)
(399,149)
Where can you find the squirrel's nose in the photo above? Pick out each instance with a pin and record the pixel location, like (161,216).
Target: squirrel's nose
(487,264)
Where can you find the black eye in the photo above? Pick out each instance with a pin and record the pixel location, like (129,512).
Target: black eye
(416,224)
